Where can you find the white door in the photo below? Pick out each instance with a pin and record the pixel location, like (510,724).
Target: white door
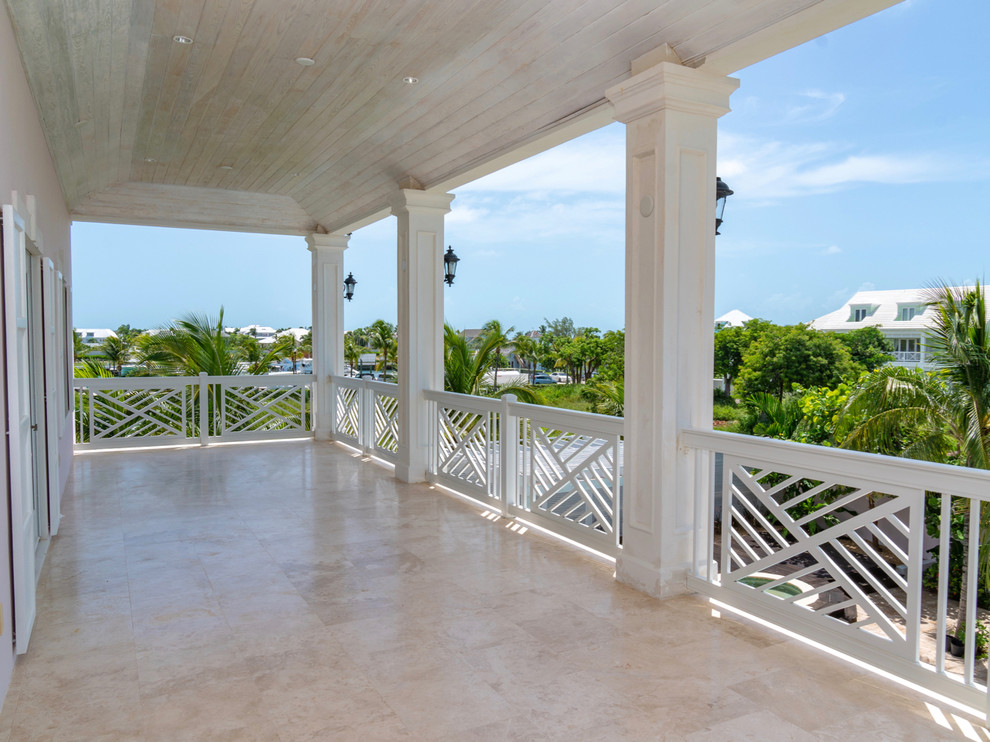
(21,494)
(53,402)
(36,396)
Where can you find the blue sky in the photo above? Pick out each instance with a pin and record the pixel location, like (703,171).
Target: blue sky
(859,160)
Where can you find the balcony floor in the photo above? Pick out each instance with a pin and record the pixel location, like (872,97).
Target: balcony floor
(287,591)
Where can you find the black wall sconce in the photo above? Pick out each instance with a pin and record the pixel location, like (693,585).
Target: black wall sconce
(349,283)
(722,192)
(450,261)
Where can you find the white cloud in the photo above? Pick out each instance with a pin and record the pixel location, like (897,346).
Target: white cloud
(813,106)
(832,250)
(587,165)
(767,170)
(465,214)
(867,286)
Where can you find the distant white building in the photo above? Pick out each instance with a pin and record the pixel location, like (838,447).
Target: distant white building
(297,332)
(733,318)
(901,315)
(95,336)
(259,331)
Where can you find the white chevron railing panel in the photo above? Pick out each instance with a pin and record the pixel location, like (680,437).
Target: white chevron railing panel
(171,410)
(831,545)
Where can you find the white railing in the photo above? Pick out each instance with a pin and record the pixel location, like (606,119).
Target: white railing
(830,544)
(170,410)
(365,415)
(907,356)
(559,469)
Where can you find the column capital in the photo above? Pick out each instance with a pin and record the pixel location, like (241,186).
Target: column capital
(670,86)
(406,200)
(316,241)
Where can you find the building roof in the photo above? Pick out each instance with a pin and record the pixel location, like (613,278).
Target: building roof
(733,318)
(882,310)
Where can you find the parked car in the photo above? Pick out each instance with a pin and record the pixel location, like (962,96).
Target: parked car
(560,377)
(543,379)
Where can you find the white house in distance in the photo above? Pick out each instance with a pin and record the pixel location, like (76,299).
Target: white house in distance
(92,336)
(732,318)
(900,314)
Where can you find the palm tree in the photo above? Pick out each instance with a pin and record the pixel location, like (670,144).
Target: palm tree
(527,350)
(465,368)
(499,337)
(79,348)
(289,347)
(945,417)
(382,339)
(117,351)
(608,397)
(352,352)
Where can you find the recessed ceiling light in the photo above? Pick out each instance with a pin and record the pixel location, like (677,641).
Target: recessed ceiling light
(150,159)
(305,61)
(410,80)
(180,39)
(226,167)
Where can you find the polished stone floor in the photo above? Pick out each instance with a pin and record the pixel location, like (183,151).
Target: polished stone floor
(288,591)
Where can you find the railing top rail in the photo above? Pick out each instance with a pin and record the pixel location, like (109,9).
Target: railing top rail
(134,382)
(174,382)
(468,401)
(348,381)
(259,380)
(892,470)
(386,387)
(569,419)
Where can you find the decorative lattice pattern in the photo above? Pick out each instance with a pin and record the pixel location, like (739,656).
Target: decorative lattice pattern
(848,543)
(132,413)
(348,412)
(573,478)
(386,422)
(464,447)
(252,409)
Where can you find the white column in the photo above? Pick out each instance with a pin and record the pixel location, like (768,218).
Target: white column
(420,278)
(671,114)
(328,324)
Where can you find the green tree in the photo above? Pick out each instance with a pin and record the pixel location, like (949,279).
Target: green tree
(730,346)
(198,343)
(784,356)
(608,396)
(117,351)
(79,348)
(381,337)
(942,417)
(868,347)
(527,350)
(465,368)
(352,352)
(493,333)
(561,328)
(613,356)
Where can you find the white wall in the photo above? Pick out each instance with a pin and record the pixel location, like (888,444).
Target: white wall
(26,167)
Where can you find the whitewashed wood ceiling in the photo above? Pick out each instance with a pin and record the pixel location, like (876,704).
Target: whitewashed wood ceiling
(231,132)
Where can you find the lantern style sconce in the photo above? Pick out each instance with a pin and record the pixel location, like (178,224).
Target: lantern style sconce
(349,284)
(722,192)
(450,261)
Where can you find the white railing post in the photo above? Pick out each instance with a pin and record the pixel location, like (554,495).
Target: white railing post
(367,415)
(331,404)
(89,390)
(204,402)
(508,445)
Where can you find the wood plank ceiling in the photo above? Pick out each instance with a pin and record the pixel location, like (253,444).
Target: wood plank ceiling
(230,132)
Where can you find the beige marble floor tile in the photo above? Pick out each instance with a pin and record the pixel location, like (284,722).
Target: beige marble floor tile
(184,601)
